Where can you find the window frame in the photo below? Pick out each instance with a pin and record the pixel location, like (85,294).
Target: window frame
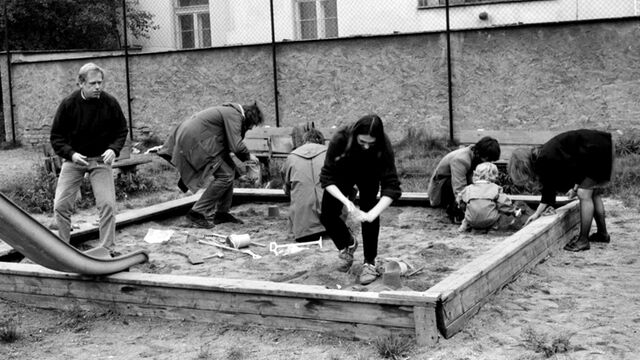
(195,11)
(321,20)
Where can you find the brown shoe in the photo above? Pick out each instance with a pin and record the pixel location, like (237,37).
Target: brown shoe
(197,220)
(221,218)
(576,246)
(346,256)
(600,238)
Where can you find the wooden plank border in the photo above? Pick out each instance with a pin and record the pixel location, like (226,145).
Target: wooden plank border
(445,308)
(461,294)
(180,206)
(351,314)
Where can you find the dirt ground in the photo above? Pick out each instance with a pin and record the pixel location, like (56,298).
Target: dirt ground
(573,305)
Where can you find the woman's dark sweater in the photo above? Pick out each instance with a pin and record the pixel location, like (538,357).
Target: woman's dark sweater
(569,158)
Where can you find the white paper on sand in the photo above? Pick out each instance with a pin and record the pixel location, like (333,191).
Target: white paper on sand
(156,236)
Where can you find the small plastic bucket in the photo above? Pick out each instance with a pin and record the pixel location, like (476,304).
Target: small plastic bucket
(239,241)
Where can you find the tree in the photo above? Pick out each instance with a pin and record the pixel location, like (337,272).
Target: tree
(72,24)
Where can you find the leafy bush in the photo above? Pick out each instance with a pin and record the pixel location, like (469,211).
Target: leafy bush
(35,192)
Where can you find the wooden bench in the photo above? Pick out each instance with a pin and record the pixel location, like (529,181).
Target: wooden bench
(509,140)
(276,142)
(124,163)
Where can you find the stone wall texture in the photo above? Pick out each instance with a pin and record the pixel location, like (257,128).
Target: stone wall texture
(521,78)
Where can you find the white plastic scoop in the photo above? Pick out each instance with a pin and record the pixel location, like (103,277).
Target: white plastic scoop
(285,249)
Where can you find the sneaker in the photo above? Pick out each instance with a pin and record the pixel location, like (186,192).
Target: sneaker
(346,255)
(198,220)
(220,218)
(369,274)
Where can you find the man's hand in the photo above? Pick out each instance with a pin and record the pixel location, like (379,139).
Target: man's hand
(253,158)
(108,156)
(79,159)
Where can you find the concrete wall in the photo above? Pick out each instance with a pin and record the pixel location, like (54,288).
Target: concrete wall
(528,78)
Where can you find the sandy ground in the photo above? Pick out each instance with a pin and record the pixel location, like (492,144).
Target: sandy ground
(587,304)
(573,305)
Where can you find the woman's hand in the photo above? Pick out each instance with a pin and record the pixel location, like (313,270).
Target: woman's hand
(351,208)
(572,193)
(531,218)
(542,210)
(366,216)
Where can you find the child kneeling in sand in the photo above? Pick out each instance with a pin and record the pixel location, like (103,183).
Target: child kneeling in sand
(483,202)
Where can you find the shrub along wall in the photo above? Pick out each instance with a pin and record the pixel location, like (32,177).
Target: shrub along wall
(552,77)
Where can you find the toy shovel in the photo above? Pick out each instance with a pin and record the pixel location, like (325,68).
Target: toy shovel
(248,252)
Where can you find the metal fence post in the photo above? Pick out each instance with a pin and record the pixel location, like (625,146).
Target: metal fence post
(449,82)
(275,66)
(10,85)
(126,65)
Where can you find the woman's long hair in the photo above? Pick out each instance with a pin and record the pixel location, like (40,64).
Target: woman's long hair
(366,125)
(521,167)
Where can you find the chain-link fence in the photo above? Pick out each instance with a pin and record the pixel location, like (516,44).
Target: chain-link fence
(166,25)
(306,58)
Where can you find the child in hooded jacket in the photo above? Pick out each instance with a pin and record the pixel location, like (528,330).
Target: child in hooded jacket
(484,201)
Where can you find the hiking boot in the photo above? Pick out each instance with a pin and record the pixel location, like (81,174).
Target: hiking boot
(369,274)
(220,218)
(346,255)
(600,238)
(198,220)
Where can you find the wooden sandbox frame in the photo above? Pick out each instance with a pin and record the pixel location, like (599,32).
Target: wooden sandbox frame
(442,310)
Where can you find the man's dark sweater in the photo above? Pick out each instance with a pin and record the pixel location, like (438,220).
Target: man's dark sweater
(88,126)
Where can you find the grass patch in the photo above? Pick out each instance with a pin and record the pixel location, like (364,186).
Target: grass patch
(625,184)
(235,353)
(394,346)
(9,331)
(540,342)
(77,320)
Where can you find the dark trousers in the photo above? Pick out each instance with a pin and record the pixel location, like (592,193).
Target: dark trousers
(338,230)
(448,201)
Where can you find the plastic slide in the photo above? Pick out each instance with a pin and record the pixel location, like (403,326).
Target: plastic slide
(40,245)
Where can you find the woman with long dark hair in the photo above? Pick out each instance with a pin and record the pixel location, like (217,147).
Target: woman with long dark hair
(358,155)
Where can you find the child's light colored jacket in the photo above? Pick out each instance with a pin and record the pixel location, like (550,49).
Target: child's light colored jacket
(484,201)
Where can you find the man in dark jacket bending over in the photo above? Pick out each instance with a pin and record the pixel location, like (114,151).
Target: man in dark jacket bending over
(200,149)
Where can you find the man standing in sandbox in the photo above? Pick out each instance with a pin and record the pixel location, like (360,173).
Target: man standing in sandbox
(200,148)
(88,132)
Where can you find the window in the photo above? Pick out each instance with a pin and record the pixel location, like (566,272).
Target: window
(194,23)
(440,3)
(316,19)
